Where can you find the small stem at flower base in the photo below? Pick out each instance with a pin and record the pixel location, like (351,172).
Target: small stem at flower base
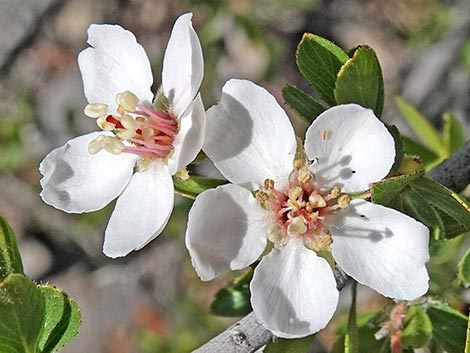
(351,341)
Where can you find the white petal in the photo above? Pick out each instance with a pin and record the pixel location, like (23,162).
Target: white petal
(76,181)
(226,230)
(188,142)
(350,147)
(293,291)
(141,212)
(115,63)
(248,135)
(183,65)
(381,248)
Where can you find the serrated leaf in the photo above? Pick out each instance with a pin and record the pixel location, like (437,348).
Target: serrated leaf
(449,327)
(319,61)
(453,133)
(10,260)
(193,186)
(464,268)
(299,345)
(303,104)
(360,81)
(428,157)
(22,307)
(421,126)
(62,320)
(234,299)
(417,330)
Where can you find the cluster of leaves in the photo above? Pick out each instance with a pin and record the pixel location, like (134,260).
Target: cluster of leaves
(340,77)
(34,318)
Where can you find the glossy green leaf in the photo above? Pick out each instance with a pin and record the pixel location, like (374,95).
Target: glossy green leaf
(449,327)
(464,268)
(417,330)
(319,61)
(193,186)
(421,126)
(304,105)
(428,157)
(360,81)
(299,345)
(453,133)
(22,308)
(10,260)
(234,300)
(62,320)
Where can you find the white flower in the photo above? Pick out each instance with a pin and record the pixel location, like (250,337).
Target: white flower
(303,208)
(142,145)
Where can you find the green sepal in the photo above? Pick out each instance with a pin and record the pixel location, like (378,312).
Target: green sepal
(304,105)
(193,186)
(10,259)
(360,81)
(298,345)
(319,61)
(234,299)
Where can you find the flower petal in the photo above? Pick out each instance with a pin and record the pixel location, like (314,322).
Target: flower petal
(115,63)
(188,142)
(141,212)
(381,248)
(183,65)
(350,147)
(75,181)
(293,291)
(248,136)
(226,230)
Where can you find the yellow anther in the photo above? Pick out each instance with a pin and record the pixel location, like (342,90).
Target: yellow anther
(128,122)
(294,193)
(299,164)
(297,226)
(324,134)
(275,233)
(126,134)
(113,145)
(343,201)
(95,110)
(96,145)
(261,196)
(334,193)
(304,175)
(147,132)
(316,201)
(104,125)
(268,184)
(127,101)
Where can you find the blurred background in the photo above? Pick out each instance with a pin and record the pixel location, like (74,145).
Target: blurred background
(152,301)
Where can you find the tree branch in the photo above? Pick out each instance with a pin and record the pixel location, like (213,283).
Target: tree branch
(247,335)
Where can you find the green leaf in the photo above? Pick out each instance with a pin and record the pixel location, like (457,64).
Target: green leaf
(360,81)
(299,345)
(464,268)
(449,327)
(399,152)
(193,186)
(304,105)
(10,260)
(234,300)
(319,61)
(22,308)
(62,320)
(428,157)
(467,340)
(453,133)
(421,126)
(418,328)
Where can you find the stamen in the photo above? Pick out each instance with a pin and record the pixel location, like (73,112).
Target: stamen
(95,110)
(127,101)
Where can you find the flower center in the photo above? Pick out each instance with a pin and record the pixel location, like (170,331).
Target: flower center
(137,129)
(300,210)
